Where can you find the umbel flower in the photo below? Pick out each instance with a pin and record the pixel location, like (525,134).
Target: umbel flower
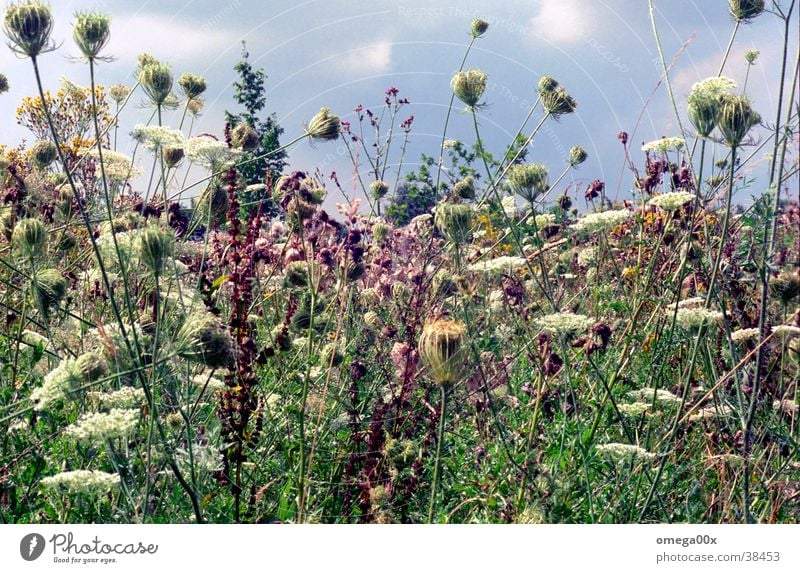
(528,180)
(736,117)
(209,152)
(563,323)
(28,26)
(671,201)
(156,137)
(101,427)
(86,482)
(324,126)
(91,33)
(454,220)
(592,222)
(664,145)
(555,99)
(192,85)
(205,340)
(704,103)
(465,188)
(468,86)
(441,346)
(119,93)
(577,155)
(156,80)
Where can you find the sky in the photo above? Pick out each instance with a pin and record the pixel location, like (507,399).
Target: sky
(343,53)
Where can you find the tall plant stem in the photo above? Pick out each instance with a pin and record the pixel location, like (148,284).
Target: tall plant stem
(438,461)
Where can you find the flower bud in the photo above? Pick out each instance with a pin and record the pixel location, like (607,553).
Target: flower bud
(324,126)
(750,56)
(379,188)
(30,236)
(745,10)
(528,180)
(49,287)
(213,202)
(469,86)
(558,102)
(154,247)
(119,93)
(91,33)
(577,155)
(28,25)
(192,85)
(465,189)
(156,80)
(546,84)
(736,118)
(454,221)
(441,348)
(172,155)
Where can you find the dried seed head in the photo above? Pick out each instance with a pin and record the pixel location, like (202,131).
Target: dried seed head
(172,155)
(736,118)
(745,10)
(379,188)
(203,339)
(28,26)
(213,202)
(192,85)
(469,86)
(156,80)
(91,33)
(30,236)
(465,189)
(558,102)
(43,153)
(245,137)
(441,346)
(478,27)
(49,287)
(3,84)
(785,287)
(324,126)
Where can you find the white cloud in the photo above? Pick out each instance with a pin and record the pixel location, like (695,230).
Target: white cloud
(560,21)
(372,59)
(169,39)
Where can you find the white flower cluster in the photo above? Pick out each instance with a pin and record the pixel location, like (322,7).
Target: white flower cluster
(646,395)
(209,153)
(125,397)
(210,383)
(126,242)
(744,335)
(786,330)
(711,88)
(711,412)
(563,323)
(498,265)
(695,317)
(156,137)
(544,220)
(509,205)
(118,166)
(206,458)
(671,201)
(90,482)
(633,410)
(664,144)
(101,427)
(622,452)
(588,256)
(58,383)
(592,222)
(33,338)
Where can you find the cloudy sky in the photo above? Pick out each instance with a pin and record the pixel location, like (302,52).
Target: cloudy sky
(343,53)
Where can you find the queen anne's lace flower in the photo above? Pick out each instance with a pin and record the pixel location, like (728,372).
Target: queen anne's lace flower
(744,335)
(57,385)
(592,222)
(695,317)
(622,452)
(117,166)
(664,144)
(500,264)
(98,428)
(786,330)
(90,482)
(125,397)
(633,410)
(157,137)
(671,201)
(209,152)
(647,394)
(563,323)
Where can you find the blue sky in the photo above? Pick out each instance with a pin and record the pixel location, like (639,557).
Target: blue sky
(340,54)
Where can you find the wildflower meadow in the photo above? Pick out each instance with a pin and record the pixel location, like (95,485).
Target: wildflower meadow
(196,327)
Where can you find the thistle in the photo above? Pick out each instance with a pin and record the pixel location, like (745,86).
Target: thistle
(204,340)
(245,137)
(29,236)
(192,85)
(324,126)
(454,221)
(469,86)
(441,346)
(156,80)
(154,247)
(43,153)
(528,180)
(736,118)
(478,27)
(28,26)
(91,33)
